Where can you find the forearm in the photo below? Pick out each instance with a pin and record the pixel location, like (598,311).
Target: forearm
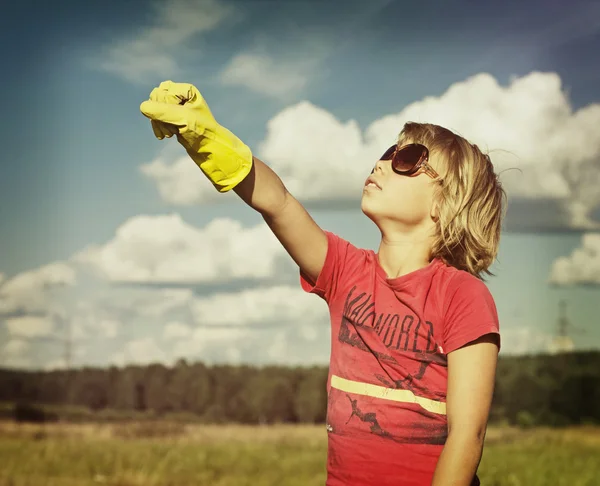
(458,461)
(262,189)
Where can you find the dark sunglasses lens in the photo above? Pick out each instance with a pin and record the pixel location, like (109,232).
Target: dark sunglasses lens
(388,153)
(406,159)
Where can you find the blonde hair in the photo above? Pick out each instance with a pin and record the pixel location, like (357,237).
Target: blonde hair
(469,196)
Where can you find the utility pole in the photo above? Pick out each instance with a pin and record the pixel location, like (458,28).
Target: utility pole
(68,345)
(562,342)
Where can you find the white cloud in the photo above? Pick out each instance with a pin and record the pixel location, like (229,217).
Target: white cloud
(30,326)
(278,349)
(182,182)
(166,249)
(267,76)
(152,51)
(55,364)
(162,301)
(30,292)
(177,330)
(557,149)
(16,362)
(14,354)
(89,322)
(280,63)
(203,343)
(529,124)
(561,344)
(581,267)
(15,347)
(280,304)
(144,302)
(525,340)
(233,326)
(109,328)
(333,145)
(318,156)
(80,326)
(309,332)
(140,351)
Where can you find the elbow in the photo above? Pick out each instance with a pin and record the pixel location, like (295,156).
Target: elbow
(275,206)
(470,433)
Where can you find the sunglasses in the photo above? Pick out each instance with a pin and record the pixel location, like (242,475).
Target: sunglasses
(409,159)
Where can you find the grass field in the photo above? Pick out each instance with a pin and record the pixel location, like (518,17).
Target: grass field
(171,454)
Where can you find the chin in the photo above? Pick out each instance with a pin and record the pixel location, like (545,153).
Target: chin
(368,210)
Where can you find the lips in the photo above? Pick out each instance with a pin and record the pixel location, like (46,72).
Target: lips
(371,182)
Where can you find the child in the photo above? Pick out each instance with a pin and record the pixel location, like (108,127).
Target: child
(415,332)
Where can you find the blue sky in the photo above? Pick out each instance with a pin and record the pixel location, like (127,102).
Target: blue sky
(307,85)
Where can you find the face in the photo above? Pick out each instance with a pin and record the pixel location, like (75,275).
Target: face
(400,201)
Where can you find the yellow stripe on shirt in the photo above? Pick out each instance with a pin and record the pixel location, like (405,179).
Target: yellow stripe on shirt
(396,395)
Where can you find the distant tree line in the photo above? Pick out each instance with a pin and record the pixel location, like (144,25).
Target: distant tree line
(530,390)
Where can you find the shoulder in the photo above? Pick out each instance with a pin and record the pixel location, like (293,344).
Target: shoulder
(345,249)
(469,311)
(462,287)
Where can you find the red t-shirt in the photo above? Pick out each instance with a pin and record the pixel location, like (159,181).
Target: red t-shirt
(386,412)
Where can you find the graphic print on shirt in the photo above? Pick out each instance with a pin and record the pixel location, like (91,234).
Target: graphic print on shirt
(403,334)
(405,347)
(435,434)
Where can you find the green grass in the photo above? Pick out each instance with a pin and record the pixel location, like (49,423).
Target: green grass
(543,457)
(167,455)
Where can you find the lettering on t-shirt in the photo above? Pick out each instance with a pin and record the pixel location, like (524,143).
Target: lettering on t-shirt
(405,349)
(397,332)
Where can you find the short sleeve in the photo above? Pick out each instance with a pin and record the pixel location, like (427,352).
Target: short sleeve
(326,284)
(470,313)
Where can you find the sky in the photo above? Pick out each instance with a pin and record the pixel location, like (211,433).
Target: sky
(114,242)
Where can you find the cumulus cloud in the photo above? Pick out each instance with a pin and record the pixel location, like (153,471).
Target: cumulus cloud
(214,344)
(582,267)
(15,347)
(180,183)
(262,325)
(169,258)
(252,307)
(109,328)
(15,361)
(285,57)
(526,340)
(264,75)
(31,307)
(165,249)
(30,326)
(140,351)
(152,50)
(284,345)
(278,349)
(527,124)
(89,320)
(177,330)
(335,146)
(55,364)
(146,303)
(31,291)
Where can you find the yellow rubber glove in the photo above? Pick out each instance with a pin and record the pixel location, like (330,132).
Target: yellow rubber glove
(179,109)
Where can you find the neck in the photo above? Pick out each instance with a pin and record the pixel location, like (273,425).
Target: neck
(401,254)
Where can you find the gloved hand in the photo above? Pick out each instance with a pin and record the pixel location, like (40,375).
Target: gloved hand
(179,109)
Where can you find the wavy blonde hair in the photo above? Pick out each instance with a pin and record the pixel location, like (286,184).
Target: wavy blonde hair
(471,199)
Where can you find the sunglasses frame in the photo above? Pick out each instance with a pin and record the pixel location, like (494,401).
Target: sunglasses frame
(422,163)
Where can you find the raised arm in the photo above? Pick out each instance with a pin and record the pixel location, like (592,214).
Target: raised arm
(300,235)
(179,109)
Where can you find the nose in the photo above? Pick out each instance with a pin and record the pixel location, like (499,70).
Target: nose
(378,166)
